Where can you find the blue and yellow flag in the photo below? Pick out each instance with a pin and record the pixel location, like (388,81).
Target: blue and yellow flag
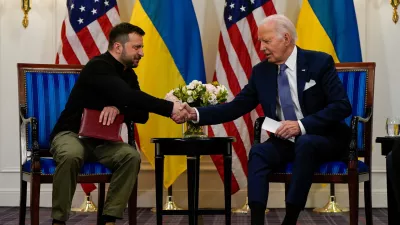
(330,26)
(173,56)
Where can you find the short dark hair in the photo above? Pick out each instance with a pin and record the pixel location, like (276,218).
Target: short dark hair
(120,33)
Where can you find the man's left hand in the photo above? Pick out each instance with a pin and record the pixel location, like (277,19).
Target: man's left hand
(288,129)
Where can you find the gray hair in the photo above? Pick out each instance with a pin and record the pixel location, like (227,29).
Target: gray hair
(283,25)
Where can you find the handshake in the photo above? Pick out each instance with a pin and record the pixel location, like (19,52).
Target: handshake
(182,112)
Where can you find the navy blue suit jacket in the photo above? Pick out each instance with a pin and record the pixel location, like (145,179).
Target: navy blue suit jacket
(324,105)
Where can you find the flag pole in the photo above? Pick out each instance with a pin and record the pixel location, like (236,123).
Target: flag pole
(87,205)
(245,209)
(332,206)
(170,204)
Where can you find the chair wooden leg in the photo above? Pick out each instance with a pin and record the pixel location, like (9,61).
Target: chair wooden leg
(353,196)
(132,205)
(100,204)
(368,202)
(35,198)
(22,202)
(286,189)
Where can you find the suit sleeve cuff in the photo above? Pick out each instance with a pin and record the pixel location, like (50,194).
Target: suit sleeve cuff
(303,131)
(198,116)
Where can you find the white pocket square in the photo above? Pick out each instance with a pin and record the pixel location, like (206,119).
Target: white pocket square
(309,84)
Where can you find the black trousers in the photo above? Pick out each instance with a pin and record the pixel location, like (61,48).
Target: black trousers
(307,153)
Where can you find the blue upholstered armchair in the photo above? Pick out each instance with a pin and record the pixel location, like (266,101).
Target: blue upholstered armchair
(43,93)
(358,80)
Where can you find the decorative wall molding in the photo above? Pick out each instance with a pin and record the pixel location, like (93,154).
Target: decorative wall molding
(9,170)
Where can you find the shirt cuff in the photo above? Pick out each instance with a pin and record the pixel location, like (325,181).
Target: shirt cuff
(198,116)
(303,131)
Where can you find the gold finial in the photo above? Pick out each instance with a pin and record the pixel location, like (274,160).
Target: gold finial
(394,4)
(26,6)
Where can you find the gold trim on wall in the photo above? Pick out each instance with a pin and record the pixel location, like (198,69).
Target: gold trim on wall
(395,4)
(25,6)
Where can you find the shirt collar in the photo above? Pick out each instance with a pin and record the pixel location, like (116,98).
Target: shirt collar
(291,61)
(118,65)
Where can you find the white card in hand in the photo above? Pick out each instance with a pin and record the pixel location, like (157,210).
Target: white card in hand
(272,125)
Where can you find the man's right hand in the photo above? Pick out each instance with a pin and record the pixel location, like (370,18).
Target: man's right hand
(182,112)
(179,115)
(192,115)
(108,114)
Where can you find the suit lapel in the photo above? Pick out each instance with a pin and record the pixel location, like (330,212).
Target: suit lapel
(274,89)
(302,76)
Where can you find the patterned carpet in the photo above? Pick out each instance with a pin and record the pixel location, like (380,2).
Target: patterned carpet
(9,216)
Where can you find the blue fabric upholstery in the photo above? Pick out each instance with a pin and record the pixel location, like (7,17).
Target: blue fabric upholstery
(48,166)
(329,168)
(46,96)
(355,83)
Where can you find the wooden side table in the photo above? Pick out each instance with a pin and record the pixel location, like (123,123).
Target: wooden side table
(387,146)
(193,148)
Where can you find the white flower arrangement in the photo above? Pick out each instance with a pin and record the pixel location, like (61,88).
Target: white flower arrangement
(198,94)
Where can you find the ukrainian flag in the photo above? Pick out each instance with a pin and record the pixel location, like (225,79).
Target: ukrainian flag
(173,56)
(330,26)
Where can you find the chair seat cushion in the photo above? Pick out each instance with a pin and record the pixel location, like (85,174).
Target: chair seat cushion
(333,168)
(48,166)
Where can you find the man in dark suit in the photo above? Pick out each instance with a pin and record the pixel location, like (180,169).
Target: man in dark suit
(301,89)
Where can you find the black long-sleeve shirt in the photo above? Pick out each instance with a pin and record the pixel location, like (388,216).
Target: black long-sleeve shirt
(104,82)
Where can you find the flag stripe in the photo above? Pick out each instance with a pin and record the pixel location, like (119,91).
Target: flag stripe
(105,25)
(219,163)
(188,34)
(253,32)
(66,49)
(248,41)
(113,16)
(341,28)
(233,83)
(238,52)
(232,59)
(240,49)
(97,33)
(75,43)
(90,46)
(238,169)
(269,8)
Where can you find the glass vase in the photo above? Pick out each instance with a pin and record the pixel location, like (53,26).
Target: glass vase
(194,130)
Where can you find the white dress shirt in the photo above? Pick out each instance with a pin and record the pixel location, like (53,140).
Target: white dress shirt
(291,72)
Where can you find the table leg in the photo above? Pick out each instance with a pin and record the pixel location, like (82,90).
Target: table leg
(392,205)
(191,184)
(227,187)
(159,186)
(196,189)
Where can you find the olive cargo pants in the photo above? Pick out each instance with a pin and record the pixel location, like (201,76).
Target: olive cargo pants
(70,153)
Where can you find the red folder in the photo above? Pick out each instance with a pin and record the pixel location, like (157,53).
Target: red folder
(91,127)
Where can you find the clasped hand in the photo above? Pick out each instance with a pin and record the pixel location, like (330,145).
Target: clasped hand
(288,129)
(182,112)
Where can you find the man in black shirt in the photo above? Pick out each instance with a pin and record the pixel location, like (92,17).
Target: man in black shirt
(107,83)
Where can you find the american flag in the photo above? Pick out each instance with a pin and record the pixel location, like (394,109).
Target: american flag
(238,52)
(84,34)
(85,29)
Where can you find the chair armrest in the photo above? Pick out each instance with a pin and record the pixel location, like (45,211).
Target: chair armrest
(257,129)
(353,157)
(131,133)
(34,137)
